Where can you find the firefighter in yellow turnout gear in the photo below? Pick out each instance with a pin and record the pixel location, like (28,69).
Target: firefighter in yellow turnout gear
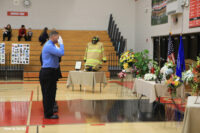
(94,55)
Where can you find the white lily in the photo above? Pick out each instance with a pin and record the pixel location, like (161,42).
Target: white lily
(149,77)
(187,76)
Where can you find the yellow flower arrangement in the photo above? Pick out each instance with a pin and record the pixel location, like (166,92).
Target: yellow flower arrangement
(127,59)
(173,83)
(176,83)
(125,65)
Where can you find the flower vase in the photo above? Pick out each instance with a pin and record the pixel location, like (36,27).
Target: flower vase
(128,70)
(134,75)
(172,92)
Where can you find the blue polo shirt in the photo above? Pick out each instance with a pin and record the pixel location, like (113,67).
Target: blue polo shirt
(50,55)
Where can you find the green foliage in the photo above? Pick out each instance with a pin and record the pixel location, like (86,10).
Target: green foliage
(142,61)
(159,76)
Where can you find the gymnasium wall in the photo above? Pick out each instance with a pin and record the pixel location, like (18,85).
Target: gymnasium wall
(144,30)
(73,15)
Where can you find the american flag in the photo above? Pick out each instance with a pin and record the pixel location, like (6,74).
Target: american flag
(170,54)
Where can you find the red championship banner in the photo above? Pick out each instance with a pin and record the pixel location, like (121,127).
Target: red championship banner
(14,13)
(194,13)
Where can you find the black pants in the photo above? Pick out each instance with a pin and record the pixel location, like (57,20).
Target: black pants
(7,35)
(59,75)
(19,38)
(29,38)
(48,86)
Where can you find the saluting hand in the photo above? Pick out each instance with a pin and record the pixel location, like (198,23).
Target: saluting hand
(60,40)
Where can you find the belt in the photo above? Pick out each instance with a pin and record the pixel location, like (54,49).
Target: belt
(49,68)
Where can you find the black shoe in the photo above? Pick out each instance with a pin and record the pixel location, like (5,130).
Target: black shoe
(52,117)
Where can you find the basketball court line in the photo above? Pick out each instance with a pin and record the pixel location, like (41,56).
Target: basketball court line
(29,112)
(29,82)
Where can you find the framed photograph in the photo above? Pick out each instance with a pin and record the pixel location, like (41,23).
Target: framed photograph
(20,53)
(78,65)
(2,53)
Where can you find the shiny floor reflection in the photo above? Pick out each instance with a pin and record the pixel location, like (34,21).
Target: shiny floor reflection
(88,111)
(113,110)
(104,111)
(118,110)
(13,113)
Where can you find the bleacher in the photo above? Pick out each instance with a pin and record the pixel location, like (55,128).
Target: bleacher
(75,43)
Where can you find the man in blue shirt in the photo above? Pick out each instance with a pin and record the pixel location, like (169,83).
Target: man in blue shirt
(48,72)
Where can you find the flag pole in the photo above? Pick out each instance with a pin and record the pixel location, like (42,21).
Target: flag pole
(159,51)
(182,23)
(170,28)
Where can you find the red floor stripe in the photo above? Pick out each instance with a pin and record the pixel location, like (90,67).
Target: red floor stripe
(31,98)
(67,114)
(97,124)
(37,82)
(127,84)
(11,82)
(14,113)
(27,129)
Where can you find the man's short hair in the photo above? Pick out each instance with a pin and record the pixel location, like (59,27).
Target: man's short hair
(52,33)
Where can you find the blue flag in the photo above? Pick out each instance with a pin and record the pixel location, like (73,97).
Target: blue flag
(180,60)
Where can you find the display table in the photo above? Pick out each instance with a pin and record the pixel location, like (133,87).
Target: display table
(191,123)
(86,78)
(153,90)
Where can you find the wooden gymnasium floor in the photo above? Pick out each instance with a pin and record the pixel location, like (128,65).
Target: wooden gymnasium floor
(80,112)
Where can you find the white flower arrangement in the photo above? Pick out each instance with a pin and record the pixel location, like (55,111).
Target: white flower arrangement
(187,76)
(164,69)
(167,69)
(149,77)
